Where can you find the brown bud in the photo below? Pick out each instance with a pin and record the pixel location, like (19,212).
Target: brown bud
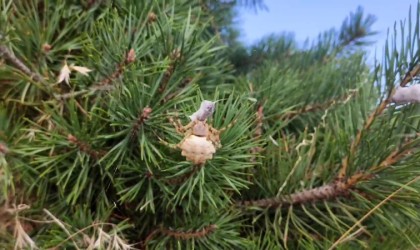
(3,149)
(176,54)
(131,56)
(46,47)
(152,17)
(146,113)
(71,138)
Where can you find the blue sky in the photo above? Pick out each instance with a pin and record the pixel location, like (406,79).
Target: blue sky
(307,18)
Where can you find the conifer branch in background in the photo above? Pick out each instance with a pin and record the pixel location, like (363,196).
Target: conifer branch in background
(174,56)
(318,106)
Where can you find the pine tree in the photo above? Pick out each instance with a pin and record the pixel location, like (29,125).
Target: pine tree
(317,149)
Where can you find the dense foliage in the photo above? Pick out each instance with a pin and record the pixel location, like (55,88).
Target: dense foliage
(314,154)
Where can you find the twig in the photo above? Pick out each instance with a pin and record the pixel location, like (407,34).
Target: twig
(84,147)
(409,76)
(185,235)
(329,191)
(143,116)
(181,235)
(325,192)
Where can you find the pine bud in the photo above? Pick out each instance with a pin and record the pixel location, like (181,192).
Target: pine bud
(131,56)
(3,149)
(71,138)
(152,17)
(146,112)
(46,47)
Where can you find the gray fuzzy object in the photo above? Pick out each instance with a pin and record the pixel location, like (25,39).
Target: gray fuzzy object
(206,110)
(408,94)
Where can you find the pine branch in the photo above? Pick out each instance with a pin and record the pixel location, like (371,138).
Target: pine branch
(9,56)
(181,235)
(143,116)
(129,58)
(319,106)
(325,192)
(104,84)
(174,57)
(409,76)
(85,148)
(92,3)
(258,131)
(355,143)
(339,188)
(214,25)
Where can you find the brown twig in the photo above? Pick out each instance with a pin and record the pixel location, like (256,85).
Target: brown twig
(181,235)
(143,116)
(129,58)
(409,76)
(185,235)
(329,191)
(84,147)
